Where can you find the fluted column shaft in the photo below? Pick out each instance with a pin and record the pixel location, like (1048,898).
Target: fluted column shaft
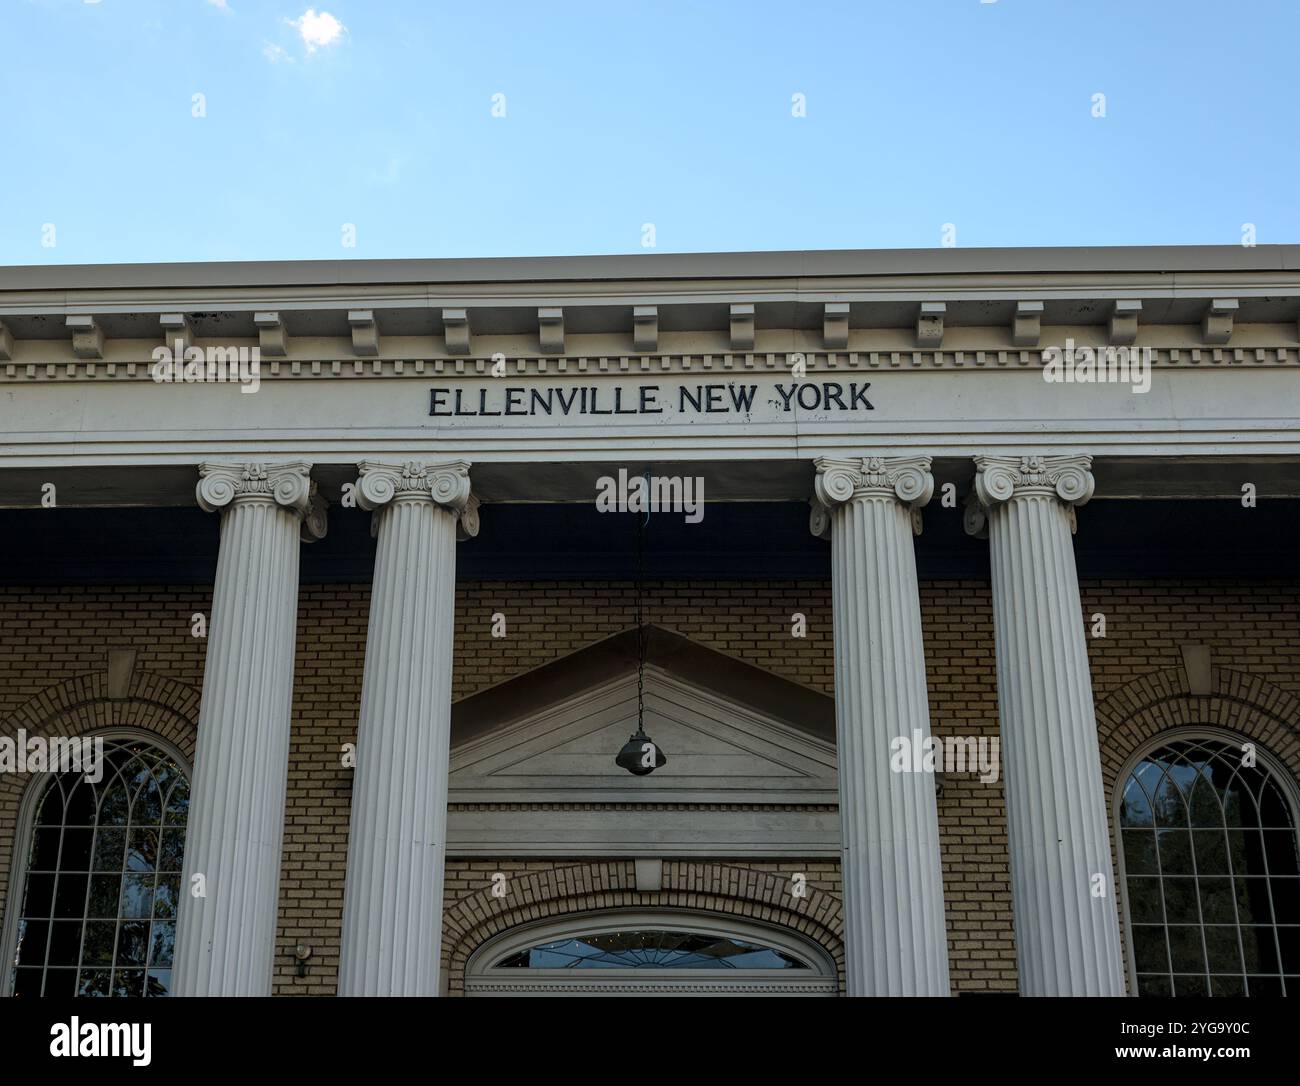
(894,931)
(225,940)
(392,911)
(1067,932)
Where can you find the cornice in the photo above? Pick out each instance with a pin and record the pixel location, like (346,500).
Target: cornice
(741,297)
(653,265)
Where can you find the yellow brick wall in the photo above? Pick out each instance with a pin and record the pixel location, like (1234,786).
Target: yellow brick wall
(50,637)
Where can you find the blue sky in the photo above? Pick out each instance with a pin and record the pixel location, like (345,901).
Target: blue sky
(379,114)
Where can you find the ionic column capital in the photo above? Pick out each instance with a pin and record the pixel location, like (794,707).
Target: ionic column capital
(286,484)
(1000,479)
(905,479)
(445,484)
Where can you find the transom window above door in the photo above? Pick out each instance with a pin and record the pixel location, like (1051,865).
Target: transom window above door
(652,949)
(651,952)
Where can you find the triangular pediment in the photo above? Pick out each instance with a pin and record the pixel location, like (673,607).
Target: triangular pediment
(556,732)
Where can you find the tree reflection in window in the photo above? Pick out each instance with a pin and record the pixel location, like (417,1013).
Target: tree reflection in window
(98,914)
(651,950)
(1211,872)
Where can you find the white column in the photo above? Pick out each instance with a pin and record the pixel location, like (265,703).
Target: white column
(392,908)
(894,933)
(225,940)
(1067,932)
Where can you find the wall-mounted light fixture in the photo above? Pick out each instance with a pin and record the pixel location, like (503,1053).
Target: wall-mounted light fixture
(301,955)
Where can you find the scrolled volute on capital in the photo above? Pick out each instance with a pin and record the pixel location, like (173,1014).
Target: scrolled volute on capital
(998,479)
(290,484)
(445,484)
(906,479)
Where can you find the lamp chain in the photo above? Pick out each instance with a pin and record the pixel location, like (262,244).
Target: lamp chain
(640,623)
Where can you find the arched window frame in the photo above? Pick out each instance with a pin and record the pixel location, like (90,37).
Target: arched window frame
(483,977)
(1277,769)
(27,811)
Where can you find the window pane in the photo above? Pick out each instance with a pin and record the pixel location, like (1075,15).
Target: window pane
(95,857)
(173,844)
(45,848)
(1286,899)
(27,982)
(128,982)
(1211,851)
(1217,904)
(61,983)
(1191,986)
(1180,901)
(115,807)
(1175,852)
(1289,938)
(70,895)
(1253,906)
(110,846)
(94,982)
(1140,852)
(142,850)
(1261,950)
(32,935)
(166,897)
(65,942)
(97,949)
(132,942)
(1149,950)
(1222,949)
(1145,902)
(1151,985)
(1227,868)
(137,895)
(38,898)
(163,941)
(104,893)
(1279,852)
(79,810)
(76,849)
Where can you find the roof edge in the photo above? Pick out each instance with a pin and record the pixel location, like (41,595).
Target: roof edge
(792,264)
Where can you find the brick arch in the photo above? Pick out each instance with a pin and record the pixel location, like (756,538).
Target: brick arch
(570,888)
(1160,702)
(81,705)
(1153,705)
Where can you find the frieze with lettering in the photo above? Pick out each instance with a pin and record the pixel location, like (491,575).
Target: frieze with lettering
(746,400)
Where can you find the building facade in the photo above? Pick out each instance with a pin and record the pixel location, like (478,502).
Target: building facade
(941,608)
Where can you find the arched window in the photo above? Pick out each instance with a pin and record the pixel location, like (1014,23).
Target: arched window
(648,953)
(98,900)
(1211,870)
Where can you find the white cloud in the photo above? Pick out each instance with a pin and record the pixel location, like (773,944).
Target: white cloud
(224,5)
(274,53)
(317,30)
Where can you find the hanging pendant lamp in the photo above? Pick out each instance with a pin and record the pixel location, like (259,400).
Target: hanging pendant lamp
(640,754)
